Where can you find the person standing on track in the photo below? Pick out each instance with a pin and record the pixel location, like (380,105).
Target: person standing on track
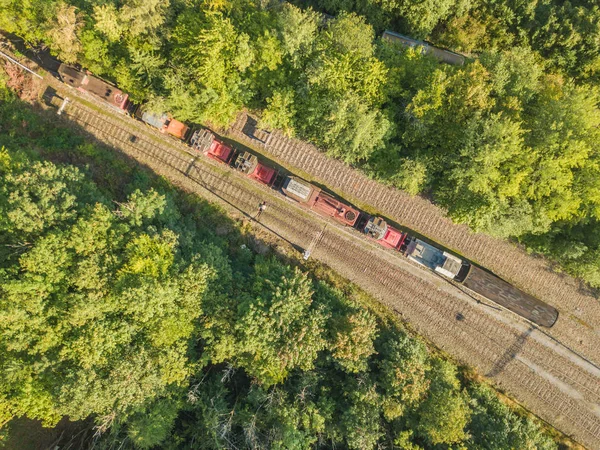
(261,207)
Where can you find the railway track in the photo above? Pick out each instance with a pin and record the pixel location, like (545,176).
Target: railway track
(579,323)
(548,378)
(492,342)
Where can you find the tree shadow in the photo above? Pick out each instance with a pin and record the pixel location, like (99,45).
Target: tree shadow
(510,353)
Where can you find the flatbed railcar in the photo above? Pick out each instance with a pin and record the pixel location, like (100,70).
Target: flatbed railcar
(427,255)
(496,289)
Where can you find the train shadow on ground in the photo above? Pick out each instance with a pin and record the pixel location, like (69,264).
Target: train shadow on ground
(510,353)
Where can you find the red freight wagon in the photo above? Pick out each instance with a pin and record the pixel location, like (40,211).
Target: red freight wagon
(378,229)
(319,201)
(205,142)
(249,165)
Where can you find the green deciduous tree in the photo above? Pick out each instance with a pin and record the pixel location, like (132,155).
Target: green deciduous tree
(274,419)
(516,76)
(351,130)
(353,341)
(420,17)
(444,414)
(64,32)
(403,367)
(360,420)
(152,425)
(494,425)
(349,33)
(31,19)
(298,32)
(214,56)
(278,327)
(98,313)
(37,197)
(280,112)
(106,20)
(564,131)
(143,16)
(487,190)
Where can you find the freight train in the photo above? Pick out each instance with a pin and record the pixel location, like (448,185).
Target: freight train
(441,262)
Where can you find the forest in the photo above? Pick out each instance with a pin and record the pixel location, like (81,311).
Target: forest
(507,143)
(142,312)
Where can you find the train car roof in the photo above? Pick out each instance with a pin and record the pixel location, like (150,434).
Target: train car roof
(219,150)
(434,258)
(71,75)
(405,40)
(505,294)
(105,90)
(263,173)
(393,237)
(446,56)
(335,208)
(177,128)
(154,119)
(298,189)
(93,85)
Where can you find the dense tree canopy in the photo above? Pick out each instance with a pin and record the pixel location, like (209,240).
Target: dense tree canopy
(97,309)
(118,303)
